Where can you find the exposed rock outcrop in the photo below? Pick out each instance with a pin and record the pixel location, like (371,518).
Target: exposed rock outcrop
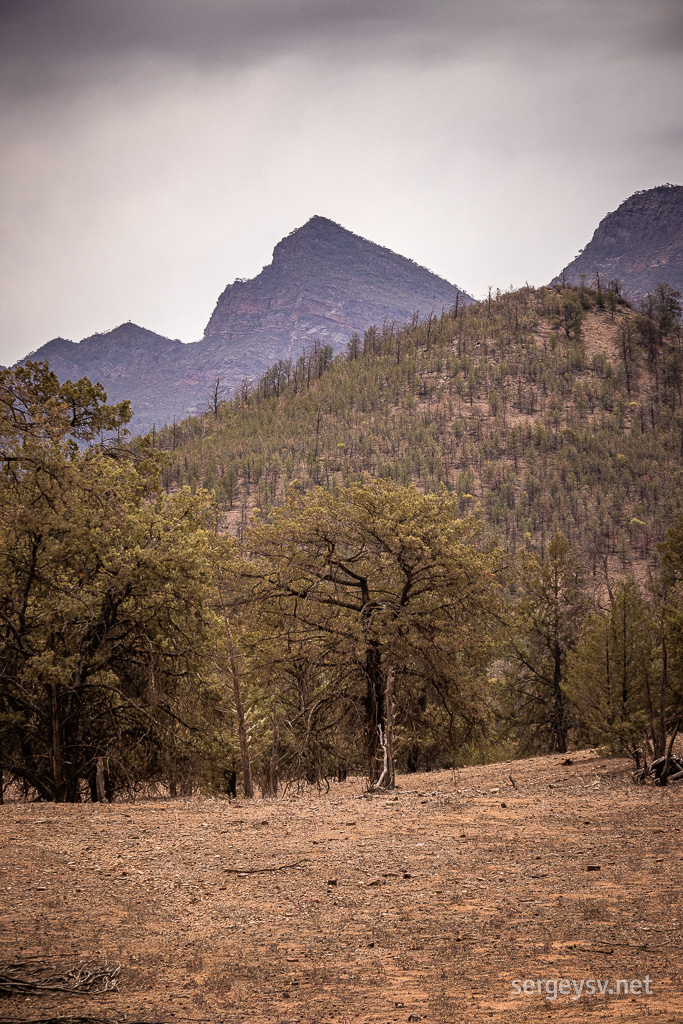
(324,283)
(131,362)
(640,244)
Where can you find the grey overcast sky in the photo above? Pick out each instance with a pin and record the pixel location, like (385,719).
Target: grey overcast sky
(154,150)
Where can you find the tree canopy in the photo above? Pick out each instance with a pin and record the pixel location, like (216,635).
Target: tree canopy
(363,616)
(104,631)
(390,601)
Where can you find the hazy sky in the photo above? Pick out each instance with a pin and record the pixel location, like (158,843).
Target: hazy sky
(154,150)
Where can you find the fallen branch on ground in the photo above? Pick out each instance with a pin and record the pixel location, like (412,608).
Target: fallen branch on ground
(258,871)
(68,1019)
(33,976)
(655,771)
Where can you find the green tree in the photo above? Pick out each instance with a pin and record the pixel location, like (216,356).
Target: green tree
(670,594)
(103,586)
(389,600)
(613,671)
(543,627)
(666,307)
(571,315)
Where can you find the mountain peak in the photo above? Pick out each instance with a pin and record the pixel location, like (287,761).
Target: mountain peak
(639,243)
(322,232)
(318,221)
(318,224)
(127,330)
(324,283)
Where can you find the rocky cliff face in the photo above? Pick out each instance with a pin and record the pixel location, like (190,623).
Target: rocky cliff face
(323,284)
(641,244)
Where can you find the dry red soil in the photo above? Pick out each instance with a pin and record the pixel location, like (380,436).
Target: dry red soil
(426,903)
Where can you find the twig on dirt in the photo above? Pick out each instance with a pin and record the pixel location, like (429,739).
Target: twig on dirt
(608,942)
(79,1019)
(592,949)
(258,871)
(33,976)
(514,784)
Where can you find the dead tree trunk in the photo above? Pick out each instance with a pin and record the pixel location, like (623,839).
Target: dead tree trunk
(374,707)
(387,779)
(239,708)
(274,755)
(241,719)
(664,778)
(390,780)
(56,749)
(99,780)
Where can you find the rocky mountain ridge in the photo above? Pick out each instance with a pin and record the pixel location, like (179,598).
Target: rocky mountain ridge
(323,283)
(640,244)
(304,294)
(131,362)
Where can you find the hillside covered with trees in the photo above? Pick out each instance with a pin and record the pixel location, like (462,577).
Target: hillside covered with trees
(551,409)
(458,541)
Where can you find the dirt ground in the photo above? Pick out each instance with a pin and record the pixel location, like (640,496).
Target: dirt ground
(424,904)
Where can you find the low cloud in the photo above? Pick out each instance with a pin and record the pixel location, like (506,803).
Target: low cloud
(44,42)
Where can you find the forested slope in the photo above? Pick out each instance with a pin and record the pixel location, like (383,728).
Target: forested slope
(363,619)
(553,409)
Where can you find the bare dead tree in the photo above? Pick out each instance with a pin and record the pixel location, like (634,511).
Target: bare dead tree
(217,394)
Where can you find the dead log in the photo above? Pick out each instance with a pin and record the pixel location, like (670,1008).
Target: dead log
(258,871)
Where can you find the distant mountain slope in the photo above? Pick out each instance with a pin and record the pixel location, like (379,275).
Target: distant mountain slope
(131,362)
(323,284)
(640,243)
